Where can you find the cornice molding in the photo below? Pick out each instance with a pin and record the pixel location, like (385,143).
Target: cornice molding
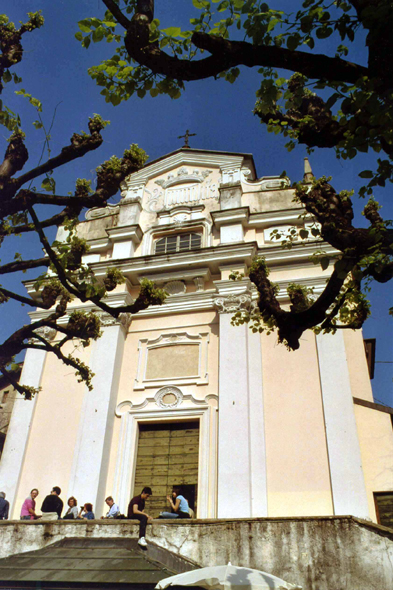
(230,216)
(124,232)
(202,300)
(211,257)
(283,216)
(277,256)
(184,275)
(113,299)
(127,405)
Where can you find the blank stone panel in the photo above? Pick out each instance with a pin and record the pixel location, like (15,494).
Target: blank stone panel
(181,360)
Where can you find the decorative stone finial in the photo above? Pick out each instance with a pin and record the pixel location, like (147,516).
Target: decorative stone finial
(308,175)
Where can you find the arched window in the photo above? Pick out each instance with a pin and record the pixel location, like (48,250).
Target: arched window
(178,243)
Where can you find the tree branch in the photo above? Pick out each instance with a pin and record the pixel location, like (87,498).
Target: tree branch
(80,145)
(226,54)
(57,220)
(52,256)
(117,13)
(21,298)
(22,265)
(24,198)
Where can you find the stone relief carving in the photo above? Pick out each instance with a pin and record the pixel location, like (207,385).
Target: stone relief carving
(123,320)
(98,212)
(183,176)
(180,218)
(199,283)
(233,303)
(175,287)
(266,182)
(155,201)
(171,398)
(230,175)
(45,332)
(168,397)
(131,190)
(180,214)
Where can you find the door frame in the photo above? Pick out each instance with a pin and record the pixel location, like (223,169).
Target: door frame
(207,459)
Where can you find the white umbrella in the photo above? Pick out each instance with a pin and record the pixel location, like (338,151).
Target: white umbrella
(227,577)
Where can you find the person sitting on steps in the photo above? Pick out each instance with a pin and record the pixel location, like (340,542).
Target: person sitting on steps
(114,510)
(180,507)
(136,510)
(52,505)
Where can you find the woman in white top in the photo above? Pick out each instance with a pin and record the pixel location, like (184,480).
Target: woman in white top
(72,512)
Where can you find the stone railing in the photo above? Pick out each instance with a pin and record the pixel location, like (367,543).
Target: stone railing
(319,553)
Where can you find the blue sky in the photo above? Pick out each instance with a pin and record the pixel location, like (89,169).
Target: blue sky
(54,69)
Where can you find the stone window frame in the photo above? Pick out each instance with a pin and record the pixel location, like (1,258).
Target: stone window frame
(173,339)
(198,226)
(178,235)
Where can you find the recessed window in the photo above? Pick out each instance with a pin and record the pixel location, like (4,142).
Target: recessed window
(178,243)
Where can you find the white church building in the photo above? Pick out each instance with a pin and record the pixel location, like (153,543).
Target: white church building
(183,397)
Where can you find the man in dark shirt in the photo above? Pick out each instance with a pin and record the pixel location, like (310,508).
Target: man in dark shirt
(52,505)
(136,510)
(4,507)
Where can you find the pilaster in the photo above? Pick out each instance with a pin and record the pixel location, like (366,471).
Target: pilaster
(12,459)
(346,472)
(124,238)
(91,455)
(242,490)
(231,223)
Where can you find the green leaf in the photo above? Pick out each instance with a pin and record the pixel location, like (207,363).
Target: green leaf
(223,6)
(172,31)
(7,76)
(49,185)
(366,174)
(98,34)
(201,3)
(292,42)
(37,124)
(86,42)
(79,36)
(36,103)
(324,262)
(84,26)
(324,32)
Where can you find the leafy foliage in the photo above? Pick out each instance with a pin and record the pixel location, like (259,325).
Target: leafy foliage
(306,94)
(64,277)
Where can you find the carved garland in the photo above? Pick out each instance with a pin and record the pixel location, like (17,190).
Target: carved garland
(233,303)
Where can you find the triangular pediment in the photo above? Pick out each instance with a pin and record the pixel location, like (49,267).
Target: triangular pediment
(185,177)
(190,157)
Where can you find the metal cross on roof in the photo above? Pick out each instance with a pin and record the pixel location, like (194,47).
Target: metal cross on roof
(186,136)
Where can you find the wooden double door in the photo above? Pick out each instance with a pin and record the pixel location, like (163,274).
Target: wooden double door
(168,455)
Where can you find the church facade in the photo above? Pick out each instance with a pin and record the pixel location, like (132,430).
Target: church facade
(183,397)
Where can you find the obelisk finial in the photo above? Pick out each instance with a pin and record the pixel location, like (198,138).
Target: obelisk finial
(308,175)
